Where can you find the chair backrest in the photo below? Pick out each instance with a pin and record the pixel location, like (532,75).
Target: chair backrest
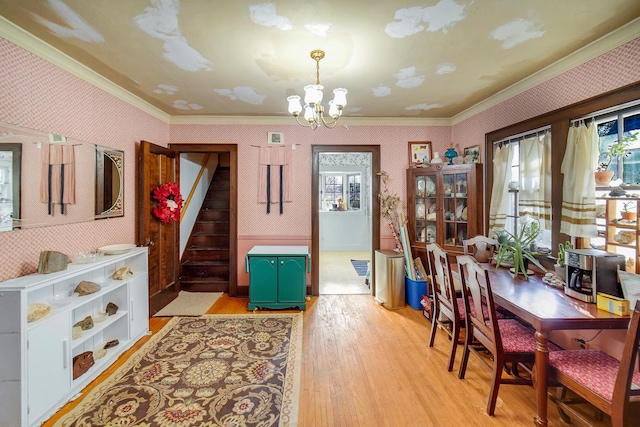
(476,292)
(623,390)
(481,248)
(442,287)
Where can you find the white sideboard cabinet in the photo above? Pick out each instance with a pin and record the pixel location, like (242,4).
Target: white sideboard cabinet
(36,358)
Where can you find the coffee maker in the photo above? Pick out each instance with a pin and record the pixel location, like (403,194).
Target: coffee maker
(590,271)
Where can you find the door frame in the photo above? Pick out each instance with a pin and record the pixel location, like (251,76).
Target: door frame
(316,150)
(232,149)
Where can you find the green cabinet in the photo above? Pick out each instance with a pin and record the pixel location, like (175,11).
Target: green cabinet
(277,276)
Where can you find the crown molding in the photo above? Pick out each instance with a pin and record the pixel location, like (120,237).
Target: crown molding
(29,42)
(289,120)
(594,49)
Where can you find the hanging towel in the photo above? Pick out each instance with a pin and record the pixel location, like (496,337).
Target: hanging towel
(274,176)
(58,176)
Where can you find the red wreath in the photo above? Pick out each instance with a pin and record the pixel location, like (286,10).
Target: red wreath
(169,202)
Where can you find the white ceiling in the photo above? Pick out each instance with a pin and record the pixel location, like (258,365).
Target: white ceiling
(398,59)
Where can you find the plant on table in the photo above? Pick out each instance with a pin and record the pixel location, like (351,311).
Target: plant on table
(517,248)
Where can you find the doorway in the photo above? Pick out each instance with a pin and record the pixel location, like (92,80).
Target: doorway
(349,171)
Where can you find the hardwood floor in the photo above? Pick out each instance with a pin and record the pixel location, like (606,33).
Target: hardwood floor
(364,365)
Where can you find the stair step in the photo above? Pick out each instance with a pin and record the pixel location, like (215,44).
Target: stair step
(215,240)
(213,227)
(204,285)
(205,269)
(206,253)
(215,204)
(213,215)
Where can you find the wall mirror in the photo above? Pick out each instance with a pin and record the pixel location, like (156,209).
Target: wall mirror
(55,180)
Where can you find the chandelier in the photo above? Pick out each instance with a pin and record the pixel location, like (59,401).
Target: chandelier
(313,109)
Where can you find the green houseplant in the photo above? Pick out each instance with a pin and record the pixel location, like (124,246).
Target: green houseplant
(516,249)
(619,148)
(561,261)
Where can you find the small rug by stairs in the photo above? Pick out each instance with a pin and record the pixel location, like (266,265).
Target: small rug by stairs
(189,304)
(213,370)
(360,266)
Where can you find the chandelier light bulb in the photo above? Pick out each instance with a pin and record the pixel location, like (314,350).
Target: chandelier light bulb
(294,105)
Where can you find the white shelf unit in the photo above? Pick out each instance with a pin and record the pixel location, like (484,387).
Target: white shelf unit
(36,368)
(615,234)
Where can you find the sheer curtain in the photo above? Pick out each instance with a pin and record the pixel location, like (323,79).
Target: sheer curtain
(535,178)
(502,161)
(579,188)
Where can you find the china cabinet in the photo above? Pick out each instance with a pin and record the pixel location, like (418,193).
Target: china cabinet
(37,351)
(444,206)
(617,234)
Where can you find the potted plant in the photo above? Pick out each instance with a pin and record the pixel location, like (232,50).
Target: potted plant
(619,148)
(517,249)
(627,211)
(561,261)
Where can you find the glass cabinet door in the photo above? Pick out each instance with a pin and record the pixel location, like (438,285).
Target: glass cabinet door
(455,208)
(425,209)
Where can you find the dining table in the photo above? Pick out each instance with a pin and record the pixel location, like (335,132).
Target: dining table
(547,309)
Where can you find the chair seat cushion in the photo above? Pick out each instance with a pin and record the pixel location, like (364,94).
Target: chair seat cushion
(517,338)
(594,369)
(485,310)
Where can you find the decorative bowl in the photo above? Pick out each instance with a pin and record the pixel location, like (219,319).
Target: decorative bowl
(117,249)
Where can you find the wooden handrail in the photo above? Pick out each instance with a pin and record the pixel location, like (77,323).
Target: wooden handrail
(203,166)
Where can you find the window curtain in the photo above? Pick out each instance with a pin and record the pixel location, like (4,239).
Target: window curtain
(502,162)
(535,178)
(579,188)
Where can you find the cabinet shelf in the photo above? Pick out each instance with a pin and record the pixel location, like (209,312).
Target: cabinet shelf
(610,226)
(38,355)
(98,328)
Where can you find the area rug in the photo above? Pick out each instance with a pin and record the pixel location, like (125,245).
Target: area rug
(360,266)
(214,370)
(189,304)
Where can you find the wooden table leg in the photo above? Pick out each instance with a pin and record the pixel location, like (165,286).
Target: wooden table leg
(541,379)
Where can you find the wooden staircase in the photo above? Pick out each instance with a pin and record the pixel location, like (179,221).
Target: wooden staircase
(205,261)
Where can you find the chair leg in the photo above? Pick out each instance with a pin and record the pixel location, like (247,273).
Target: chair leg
(495,385)
(561,394)
(465,352)
(434,325)
(455,331)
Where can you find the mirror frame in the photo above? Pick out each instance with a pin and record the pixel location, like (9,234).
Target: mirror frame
(103,155)
(16,172)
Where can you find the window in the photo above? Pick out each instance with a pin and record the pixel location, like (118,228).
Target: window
(340,191)
(610,127)
(517,212)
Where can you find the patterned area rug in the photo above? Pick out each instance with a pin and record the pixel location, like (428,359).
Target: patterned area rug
(214,370)
(360,266)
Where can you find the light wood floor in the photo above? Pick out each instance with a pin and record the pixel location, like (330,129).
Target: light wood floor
(364,365)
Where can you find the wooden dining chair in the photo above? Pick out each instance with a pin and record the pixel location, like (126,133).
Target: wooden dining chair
(509,342)
(481,248)
(447,307)
(610,385)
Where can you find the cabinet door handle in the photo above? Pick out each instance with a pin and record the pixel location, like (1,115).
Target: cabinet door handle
(281,262)
(272,262)
(64,354)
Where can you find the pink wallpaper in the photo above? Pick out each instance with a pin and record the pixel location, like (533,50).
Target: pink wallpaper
(296,219)
(39,95)
(607,72)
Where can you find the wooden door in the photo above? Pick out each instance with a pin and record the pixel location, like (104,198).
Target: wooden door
(158,165)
